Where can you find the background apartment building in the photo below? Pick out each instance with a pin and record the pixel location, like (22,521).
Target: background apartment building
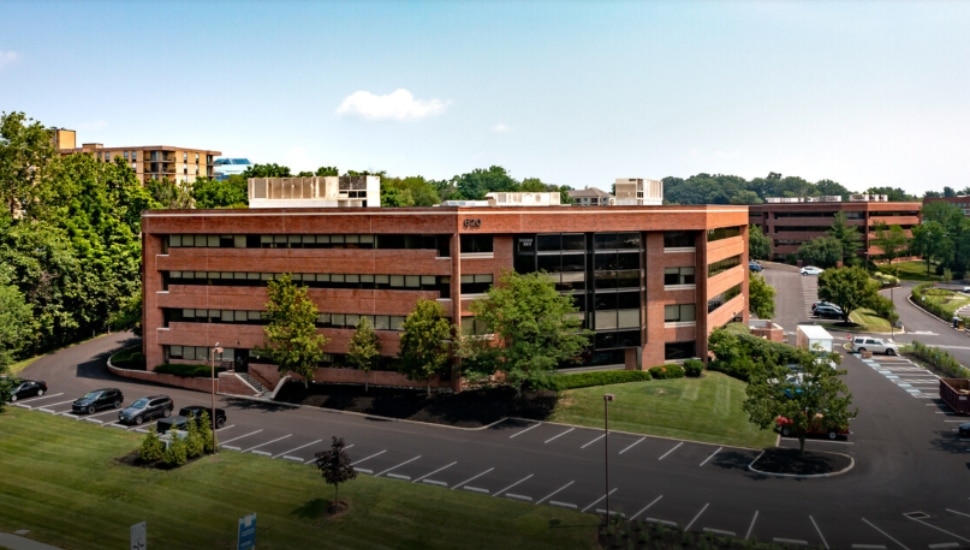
(150,162)
(960,201)
(650,282)
(792,222)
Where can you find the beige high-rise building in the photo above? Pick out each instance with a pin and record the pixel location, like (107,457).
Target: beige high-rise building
(150,162)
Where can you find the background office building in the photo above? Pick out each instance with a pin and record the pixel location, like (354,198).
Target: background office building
(650,282)
(150,162)
(791,222)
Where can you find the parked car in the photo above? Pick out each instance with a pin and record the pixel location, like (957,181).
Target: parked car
(875,345)
(828,312)
(147,408)
(27,388)
(103,398)
(822,303)
(192,412)
(964,429)
(817,428)
(966,290)
(811,270)
(754,266)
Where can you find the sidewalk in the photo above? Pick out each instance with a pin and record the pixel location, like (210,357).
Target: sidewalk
(16,542)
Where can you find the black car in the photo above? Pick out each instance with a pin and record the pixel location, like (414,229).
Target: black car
(103,398)
(27,388)
(828,312)
(192,412)
(147,408)
(964,429)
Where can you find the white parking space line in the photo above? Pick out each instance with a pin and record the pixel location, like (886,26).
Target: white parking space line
(379,453)
(298,448)
(429,474)
(434,482)
(524,498)
(532,427)
(645,508)
(526,478)
(229,447)
(781,540)
(662,522)
(677,446)
(921,522)
(751,527)
(365,471)
(294,459)
(957,513)
(473,478)
(552,494)
(706,460)
(402,477)
(479,490)
(944,545)
(600,436)
(885,534)
(94,420)
(632,445)
(560,504)
(819,531)
(222,444)
(43,397)
(719,532)
(55,404)
(392,468)
(262,453)
(597,501)
(102,413)
(691,524)
(555,437)
(267,443)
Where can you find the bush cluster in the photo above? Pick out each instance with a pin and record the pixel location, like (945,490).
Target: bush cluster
(693,367)
(197,442)
(939,359)
(933,299)
(597,378)
(187,371)
(738,352)
(663,372)
(129,358)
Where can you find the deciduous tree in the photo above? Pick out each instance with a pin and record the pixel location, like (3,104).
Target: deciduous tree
(364,348)
(292,340)
(850,288)
(426,342)
(536,327)
(759,244)
(848,235)
(821,251)
(892,240)
(335,466)
(761,296)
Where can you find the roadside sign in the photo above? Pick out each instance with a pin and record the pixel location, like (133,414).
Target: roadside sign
(139,536)
(246,539)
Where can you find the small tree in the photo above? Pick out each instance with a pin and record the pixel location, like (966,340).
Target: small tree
(425,345)
(177,453)
(364,348)
(821,251)
(205,430)
(538,328)
(892,240)
(849,236)
(761,296)
(850,288)
(817,396)
(335,465)
(759,244)
(152,448)
(292,340)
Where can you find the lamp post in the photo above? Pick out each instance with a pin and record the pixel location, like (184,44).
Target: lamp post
(212,413)
(892,324)
(606,448)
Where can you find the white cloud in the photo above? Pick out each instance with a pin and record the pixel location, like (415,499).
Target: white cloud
(501,128)
(398,105)
(7,58)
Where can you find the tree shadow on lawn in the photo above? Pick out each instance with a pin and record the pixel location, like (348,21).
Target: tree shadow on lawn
(470,408)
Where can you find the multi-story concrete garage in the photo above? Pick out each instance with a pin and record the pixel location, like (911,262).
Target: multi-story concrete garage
(650,281)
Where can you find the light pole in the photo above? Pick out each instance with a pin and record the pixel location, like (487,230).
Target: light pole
(606,448)
(892,323)
(212,413)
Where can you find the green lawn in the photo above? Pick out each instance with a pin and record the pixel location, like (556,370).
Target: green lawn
(913,270)
(61,480)
(704,409)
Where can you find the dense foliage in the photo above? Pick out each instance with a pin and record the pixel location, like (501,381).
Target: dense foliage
(590,379)
(935,300)
(939,359)
(292,340)
(738,352)
(943,237)
(426,342)
(850,288)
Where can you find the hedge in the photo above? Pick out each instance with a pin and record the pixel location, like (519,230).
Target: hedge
(939,359)
(663,372)
(597,378)
(922,294)
(129,358)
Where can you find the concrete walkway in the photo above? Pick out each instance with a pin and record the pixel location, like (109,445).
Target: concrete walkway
(16,542)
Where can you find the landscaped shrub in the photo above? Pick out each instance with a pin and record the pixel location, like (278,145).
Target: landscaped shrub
(663,372)
(693,367)
(187,370)
(562,382)
(152,448)
(935,300)
(738,352)
(129,358)
(939,359)
(177,453)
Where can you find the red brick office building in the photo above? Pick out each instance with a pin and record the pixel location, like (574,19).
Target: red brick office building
(650,281)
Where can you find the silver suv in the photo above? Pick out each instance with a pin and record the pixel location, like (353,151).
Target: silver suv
(875,345)
(147,408)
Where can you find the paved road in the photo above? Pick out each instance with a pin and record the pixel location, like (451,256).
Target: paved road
(910,487)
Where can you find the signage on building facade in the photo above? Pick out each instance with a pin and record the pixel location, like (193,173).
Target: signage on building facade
(472,223)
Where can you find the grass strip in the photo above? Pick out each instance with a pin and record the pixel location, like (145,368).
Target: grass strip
(63,481)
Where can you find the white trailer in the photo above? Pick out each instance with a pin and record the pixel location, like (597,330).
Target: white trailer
(813,338)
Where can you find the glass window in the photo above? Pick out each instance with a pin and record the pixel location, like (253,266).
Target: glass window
(678,239)
(628,318)
(548,243)
(679,313)
(476,244)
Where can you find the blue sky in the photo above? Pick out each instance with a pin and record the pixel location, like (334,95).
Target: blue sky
(866,93)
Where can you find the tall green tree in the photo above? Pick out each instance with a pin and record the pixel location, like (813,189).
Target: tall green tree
(267,171)
(16,321)
(169,195)
(850,288)
(892,240)
(821,251)
(761,296)
(426,342)
(537,328)
(848,235)
(364,349)
(292,340)
(894,194)
(26,152)
(232,192)
(931,241)
(817,396)
(477,183)
(335,466)
(759,244)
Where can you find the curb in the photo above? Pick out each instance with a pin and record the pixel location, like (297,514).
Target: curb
(804,476)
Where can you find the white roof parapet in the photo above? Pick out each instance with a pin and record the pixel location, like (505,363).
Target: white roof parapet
(638,192)
(315,192)
(524,198)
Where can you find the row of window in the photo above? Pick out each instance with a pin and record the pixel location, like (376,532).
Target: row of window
(680,313)
(387,242)
(679,276)
(721,266)
(198,353)
(251,317)
(723,233)
(680,239)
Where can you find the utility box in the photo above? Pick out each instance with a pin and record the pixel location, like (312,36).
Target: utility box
(814,338)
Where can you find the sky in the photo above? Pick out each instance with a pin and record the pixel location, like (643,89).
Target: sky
(863,92)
